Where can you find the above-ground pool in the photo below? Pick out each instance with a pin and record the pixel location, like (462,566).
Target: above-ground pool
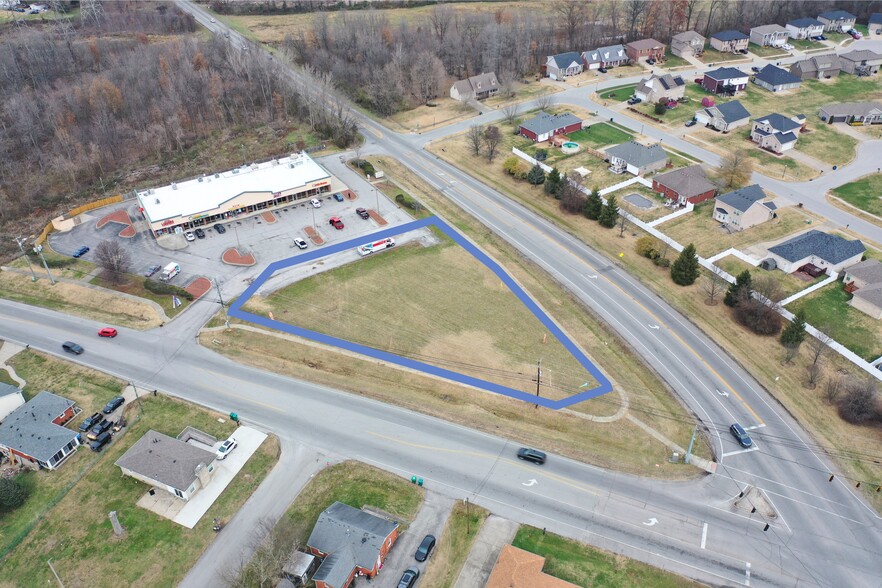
(570,147)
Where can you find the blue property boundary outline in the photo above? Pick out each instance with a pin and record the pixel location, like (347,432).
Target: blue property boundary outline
(604,385)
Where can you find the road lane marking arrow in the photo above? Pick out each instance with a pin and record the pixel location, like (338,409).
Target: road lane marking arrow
(726,394)
(656,327)
(532,482)
(592,277)
(651,522)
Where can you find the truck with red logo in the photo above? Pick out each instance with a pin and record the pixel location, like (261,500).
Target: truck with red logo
(369,248)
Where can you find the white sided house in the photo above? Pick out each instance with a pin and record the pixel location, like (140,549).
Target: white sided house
(830,252)
(10,399)
(776,132)
(771,35)
(478,87)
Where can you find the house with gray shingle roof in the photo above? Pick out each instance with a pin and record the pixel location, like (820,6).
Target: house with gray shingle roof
(771,35)
(776,132)
(850,112)
(744,208)
(860,62)
(636,158)
(610,56)
(874,24)
(804,28)
(563,65)
(729,41)
(687,184)
(351,541)
(837,21)
(724,117)
(818,67)
(776,79)
(687,43)
(823,250)
(864,281)
(478,87)
(656,87)
(34,434)
(177,467)
(10,399)
(725,80)
(544,126)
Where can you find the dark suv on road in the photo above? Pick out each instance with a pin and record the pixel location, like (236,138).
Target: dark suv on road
(533,455)
(741,435)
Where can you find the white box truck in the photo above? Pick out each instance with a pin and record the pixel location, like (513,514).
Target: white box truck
(170,271)
(369,248)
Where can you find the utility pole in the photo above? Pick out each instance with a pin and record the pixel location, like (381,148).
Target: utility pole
(538,379)
(54,573)
(138,400)
(377,194)
(223,306)
(688,457)
(468,518)
(39,251)
(20,241)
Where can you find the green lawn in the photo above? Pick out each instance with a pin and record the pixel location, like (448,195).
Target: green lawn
(713,56)
(828,310)
(672,60)
(803,44)
(767,51)
(619,93)
(584,565)
(454,545)
(135,287)
(600,135)
(826,143)
(789,283)
(865,193)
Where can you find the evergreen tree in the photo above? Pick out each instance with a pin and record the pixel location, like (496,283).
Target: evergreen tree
(742,283)
(593,205)
(552,182)
(609,214)
(684,270)
(536,175)
(794,334)
(12,494)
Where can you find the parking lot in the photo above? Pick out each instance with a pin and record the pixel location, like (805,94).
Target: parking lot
(267,241)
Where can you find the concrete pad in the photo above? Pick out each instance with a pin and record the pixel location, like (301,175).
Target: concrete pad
(494,534)
(225,470)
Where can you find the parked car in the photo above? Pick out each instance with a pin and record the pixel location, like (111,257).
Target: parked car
(151,270)
(301,244)
(409,578)
(200,233)
(816,38)
(107,332)
(755,69)
(102,426)
(114,403)
(316,203)
(81,251)
(72,347)
(220,228)
(212,20)
(634,100)
(857,35)
(189,236)
(336,223)
(338,197)
(742,51)
(533,455)
(603,70)
(362,213)
(650,61)
(691,123)
(90,422)
(787,47)
(699,80)
(425,548)
(226,448)
(741,435)
(100,441)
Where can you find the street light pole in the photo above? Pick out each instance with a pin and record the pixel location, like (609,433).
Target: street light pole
(39,251)
(20,241)
(377,194)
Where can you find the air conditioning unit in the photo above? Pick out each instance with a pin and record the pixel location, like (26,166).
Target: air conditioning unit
(174,186)
(157,201)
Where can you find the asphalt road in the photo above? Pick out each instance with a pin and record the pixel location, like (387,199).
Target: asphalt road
(823,534)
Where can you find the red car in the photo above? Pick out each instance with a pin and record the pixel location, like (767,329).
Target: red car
(107,332)
(336,223)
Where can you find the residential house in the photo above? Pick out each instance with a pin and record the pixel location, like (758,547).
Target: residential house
(10,399)
(830,252)
(776,79)
(34,434)
(636,158)
(724,117)
(687,184)
(837,21)
(167,463)
(775,132)
(729,41)
(563,65)
(860,62)
(516,568)
(478,87)
(804,28)
(687,43)
(544,126)
(656,87)
(725,80)
(769,35)
(612,56)
(874,24)
(351,541)
(864,281)
(645,49)
(852,112)
(819,67)
(744,208)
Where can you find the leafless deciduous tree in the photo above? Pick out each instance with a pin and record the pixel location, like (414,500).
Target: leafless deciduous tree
(736,168)
(818,347)
(510,113)
(832,388)
(713,285)
(860,403)
(114,259)
(544,101)
(270,546)
(492,137)
(475,138)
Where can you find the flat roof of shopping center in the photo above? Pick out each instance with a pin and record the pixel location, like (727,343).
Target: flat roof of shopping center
(210,192)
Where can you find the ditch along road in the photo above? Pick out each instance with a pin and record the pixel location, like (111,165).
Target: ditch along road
(822,533)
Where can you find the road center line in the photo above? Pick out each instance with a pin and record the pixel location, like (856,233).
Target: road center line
(704,536)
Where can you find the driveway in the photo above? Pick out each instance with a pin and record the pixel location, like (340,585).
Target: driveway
(494,534)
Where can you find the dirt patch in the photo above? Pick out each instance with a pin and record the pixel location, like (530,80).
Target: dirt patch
(198,287)
(232,256)
(268,217)
(376,216)
(314,235)
(120,217)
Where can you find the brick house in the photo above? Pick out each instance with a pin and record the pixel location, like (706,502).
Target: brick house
(817,67)
(645,49)
(725,80)
(611,56)
(729,41)
(830,252)
(544,126)
(563,65)
(769,35)
(34,434)
(744,208)
(864,281)
(687,43)
(687,184)
(837,21)
(804,28)
(352,542)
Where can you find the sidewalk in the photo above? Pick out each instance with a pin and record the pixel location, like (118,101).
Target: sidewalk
(494,534)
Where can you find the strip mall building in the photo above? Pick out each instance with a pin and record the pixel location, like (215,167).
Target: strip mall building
(238,192)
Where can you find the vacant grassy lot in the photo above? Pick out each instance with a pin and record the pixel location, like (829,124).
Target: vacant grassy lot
(436,305)
(825,143)
(709,238)
(356,484)
(828,310)
(865,193)
(711,55)
(601,135)
(523,93)
(767,52)
(619,93)
(66,515)
(454,545)
(135,286)
(775,166)
(672,61)
(426,118)
(789,283)
(584,565)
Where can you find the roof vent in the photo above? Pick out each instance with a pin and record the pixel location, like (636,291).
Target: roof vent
(157,201)
(174,186)
(291,165)
(200,180)
(150,191)
(216,176)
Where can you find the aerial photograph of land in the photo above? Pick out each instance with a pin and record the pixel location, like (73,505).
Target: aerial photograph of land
(440,293)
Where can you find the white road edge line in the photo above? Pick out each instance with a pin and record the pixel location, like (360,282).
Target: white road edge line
(728,453)
(704,536)
(747,574)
